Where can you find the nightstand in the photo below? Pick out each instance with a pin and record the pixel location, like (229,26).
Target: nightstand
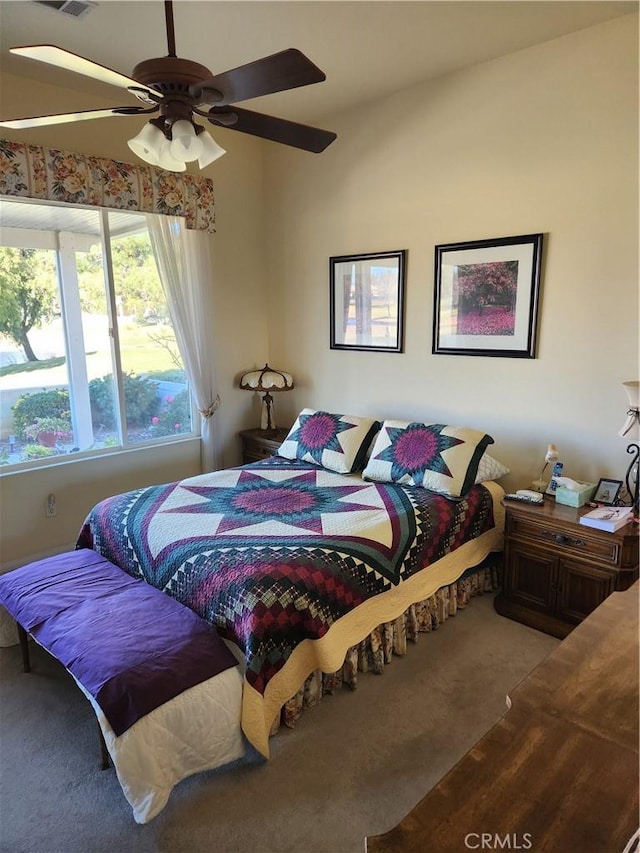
(556,571)
(260,443)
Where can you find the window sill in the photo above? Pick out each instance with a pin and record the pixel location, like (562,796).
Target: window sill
(94,455)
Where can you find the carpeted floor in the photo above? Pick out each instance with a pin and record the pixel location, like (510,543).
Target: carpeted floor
(354,766)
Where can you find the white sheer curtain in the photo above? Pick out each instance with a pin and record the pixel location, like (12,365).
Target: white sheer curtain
(184,263)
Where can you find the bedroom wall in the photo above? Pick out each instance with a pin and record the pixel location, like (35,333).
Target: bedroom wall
(240,331)
(543,140)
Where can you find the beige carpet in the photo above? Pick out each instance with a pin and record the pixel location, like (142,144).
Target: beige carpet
(353,767)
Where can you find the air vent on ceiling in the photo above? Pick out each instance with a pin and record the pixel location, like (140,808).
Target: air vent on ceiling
(75,8)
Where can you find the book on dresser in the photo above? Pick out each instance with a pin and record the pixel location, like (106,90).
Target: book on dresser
(608,518)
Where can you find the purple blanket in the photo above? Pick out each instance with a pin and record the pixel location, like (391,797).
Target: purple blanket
(132,647)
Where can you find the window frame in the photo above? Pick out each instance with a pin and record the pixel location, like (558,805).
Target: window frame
(18,237)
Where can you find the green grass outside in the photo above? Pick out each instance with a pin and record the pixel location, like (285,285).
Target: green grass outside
(139,355)
(30,366)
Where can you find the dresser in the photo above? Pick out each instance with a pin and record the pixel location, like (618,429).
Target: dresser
(559,772)
(557,571)
(260,443)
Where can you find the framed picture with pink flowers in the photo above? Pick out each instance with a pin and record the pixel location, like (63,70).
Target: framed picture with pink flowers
(486,297)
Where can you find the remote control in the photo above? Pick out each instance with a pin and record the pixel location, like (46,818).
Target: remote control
(525,499)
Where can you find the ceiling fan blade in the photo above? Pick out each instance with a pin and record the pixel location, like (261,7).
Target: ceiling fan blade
(83,115)
(275,129)
(285,70)
(53,55)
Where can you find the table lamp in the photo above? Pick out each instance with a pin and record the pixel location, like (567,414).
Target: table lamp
(630,428)
(551,455)
(266,380)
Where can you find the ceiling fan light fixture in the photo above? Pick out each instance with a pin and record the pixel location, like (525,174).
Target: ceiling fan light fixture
(148,143)
(210,149)
(185,145)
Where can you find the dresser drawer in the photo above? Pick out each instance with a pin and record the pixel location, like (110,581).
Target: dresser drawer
(568,541)
(260,444)
(259,451)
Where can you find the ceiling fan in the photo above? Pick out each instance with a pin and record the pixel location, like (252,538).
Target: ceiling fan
(179,89)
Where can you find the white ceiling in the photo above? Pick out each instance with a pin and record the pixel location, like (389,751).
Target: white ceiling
(38,216)
(367,48)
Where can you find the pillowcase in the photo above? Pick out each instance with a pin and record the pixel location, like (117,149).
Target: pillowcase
(438,457)
(337,442)
(490,469)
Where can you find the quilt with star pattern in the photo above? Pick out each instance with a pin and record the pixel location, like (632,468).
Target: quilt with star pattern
(275,552)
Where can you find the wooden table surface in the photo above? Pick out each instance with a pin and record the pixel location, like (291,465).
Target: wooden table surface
(559,772)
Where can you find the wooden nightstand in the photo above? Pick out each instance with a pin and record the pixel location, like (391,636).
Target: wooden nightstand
(556,571)
(260,443)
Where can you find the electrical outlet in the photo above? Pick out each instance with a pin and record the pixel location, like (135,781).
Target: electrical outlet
(50,508)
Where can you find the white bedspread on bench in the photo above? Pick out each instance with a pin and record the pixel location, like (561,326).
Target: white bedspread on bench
(198,730)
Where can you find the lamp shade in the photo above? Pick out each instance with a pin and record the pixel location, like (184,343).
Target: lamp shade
(147,144)
(167,161)
(267,379)
(632,389)
(633,393)
(210,149)
(185,144)
(552,453)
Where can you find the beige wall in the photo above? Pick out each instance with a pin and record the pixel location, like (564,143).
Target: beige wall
(544,140)
(240,331)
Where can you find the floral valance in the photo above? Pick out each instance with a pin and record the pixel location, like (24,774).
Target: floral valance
(31,171)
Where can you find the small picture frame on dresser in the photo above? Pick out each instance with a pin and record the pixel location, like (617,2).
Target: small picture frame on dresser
(607,491)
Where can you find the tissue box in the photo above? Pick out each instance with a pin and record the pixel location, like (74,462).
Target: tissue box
(575,498)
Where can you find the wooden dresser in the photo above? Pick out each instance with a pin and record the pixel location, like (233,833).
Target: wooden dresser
(556,570)
(559,772)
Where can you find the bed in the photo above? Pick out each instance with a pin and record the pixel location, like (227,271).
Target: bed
(295,559)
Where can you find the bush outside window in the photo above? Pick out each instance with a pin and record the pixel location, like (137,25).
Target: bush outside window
(88,358)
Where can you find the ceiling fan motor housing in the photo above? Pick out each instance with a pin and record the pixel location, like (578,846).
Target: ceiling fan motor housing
(171,75)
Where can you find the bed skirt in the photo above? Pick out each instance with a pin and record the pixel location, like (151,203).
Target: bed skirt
(377,649)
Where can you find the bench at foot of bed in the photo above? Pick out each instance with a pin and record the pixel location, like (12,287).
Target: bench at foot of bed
(167,692)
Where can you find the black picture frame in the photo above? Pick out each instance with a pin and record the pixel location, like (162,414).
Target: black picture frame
(607,491)
(486,297)
(366,300)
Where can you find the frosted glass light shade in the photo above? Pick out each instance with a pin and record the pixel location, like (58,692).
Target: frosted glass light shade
(167,161)
(147,144)
(185,145)
(210,150)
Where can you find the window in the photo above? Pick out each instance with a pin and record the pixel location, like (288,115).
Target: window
(88,357)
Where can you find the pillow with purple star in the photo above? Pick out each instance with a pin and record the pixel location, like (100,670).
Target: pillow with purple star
(336,442)
(438,457)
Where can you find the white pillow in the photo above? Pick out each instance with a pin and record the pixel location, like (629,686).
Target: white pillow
(490,469)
